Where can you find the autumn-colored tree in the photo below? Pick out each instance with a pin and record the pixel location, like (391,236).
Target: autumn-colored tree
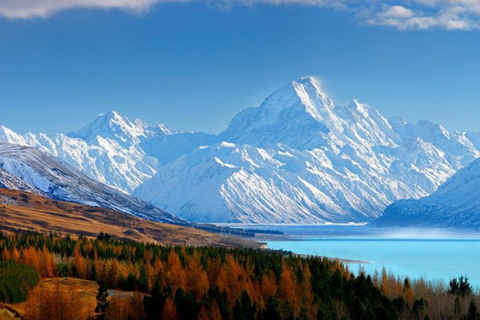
(213,283)
(149,274)
(348,274)
(268,285)
(286,285)
(79,262)
(233,279)
(61,301)
(32,258)
(124,308)
(48,263)
(5,255)
(158,273)
(117,309)
(213,270)
(135,307)
(307,292)
(147,255)
(15,254)
(197,280)
(203,313)
(174,271)
(408,293)
(420,288)
(215,313)
(48,305)
(384,285)
(113,273)
(169,311)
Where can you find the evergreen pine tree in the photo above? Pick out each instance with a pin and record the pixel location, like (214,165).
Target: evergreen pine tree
(472,313)
(102,301)
(465,287)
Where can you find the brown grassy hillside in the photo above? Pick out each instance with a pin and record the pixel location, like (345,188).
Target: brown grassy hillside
(23,211)
(72,298)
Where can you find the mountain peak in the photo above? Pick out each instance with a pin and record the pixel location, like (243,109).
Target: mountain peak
(306,91)
(111,125)
(298,114)
(111,115)
(8,135)
(429,127)
(310,81)
(161,129)
(359,107)
(310,85)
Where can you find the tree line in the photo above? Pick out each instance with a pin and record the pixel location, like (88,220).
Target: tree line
(183,282)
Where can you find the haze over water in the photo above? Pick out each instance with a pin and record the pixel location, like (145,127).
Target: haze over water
(431,254)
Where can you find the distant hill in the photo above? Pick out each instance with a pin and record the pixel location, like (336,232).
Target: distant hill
(456,204)
(24,211)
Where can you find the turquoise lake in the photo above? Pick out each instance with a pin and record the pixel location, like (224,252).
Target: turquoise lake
(431,254)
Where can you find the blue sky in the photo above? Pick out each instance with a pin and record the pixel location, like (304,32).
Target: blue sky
(194,65)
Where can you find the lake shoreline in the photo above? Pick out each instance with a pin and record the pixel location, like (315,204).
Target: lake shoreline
(414,253)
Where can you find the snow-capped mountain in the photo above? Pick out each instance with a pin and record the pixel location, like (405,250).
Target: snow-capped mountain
(29,169)
(456,204)
(297,158)
(300,158)
(114,150)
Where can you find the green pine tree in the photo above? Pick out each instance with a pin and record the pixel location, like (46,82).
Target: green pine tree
(102,301)
(472,313)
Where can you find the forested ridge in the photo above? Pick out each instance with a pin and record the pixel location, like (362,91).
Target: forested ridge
(182,282)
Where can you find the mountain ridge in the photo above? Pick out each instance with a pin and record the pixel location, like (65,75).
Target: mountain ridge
(297,158)
(324,163)
(29,169)
(111,148)
(454,205)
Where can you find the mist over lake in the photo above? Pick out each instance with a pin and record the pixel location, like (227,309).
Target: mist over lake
(433,254)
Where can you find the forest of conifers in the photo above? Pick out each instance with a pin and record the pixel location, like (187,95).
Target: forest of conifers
(216,283)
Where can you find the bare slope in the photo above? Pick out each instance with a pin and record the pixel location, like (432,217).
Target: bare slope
(23,211)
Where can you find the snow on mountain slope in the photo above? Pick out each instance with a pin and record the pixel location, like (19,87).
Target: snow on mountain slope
(297,158)
(26,168)
(301,116)
(456,204)
(112,149)
(113,126)
(242,183)
(300,158)
(9,181)
(166,147)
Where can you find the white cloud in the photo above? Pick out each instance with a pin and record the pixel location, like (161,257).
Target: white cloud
(23,9)
(470,5)
(399,14)
(428,14)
